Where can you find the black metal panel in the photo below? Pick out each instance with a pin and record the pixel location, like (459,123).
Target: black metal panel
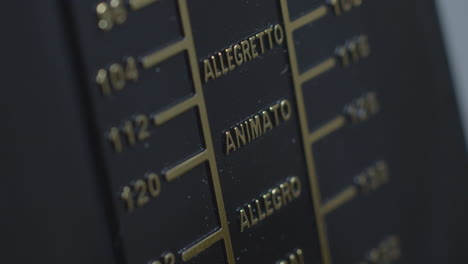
(53,208)
(64,178)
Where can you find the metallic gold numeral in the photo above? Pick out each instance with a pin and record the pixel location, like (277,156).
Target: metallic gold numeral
(169,258)
(114,137)
(387,252)
(373,177)
(363,108)
(142,122)
(115,78)
(105,21)
(135,130)
(131,70)
(354,50)
(141,191)
(115,12)
(119,12)
(127,197)
(340,6)
(111,13)
(103,80)
(129,132)
(154,184)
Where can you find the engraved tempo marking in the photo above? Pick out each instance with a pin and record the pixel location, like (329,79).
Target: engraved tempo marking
(256,126)
(354,50)
(388,251)
(140,192)
(115,12)
(134,130)
(110,14)
(116,76)
(226,60)
(273,200)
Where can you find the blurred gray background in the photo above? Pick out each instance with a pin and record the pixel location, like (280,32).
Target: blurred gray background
(454,18)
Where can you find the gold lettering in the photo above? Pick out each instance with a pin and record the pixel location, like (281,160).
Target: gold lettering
(357,2)
(382,168)
(253,219)
(266,198)
(169,258)
(296,187)
(247,128)
(363,46)
(102,79)
(223,67)
(244,220)
(300,255)
(347,5)
(267,125)
(253,47)
(261,214)
(230,145)
(373,103)
(353,50)
(246,50)
(238,55)
(230,59)
(240,136)
(270,39)
(208,71)
(285,110)
(276,197)
(154,184)
(274,109)
(296,257)
(286,193)
(279,34)
(255,126)
(343,54)
(293,259)
(117,76)
(215,67)
(260,38)
(336,7)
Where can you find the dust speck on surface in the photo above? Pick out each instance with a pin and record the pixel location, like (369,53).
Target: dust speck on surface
(285,70)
